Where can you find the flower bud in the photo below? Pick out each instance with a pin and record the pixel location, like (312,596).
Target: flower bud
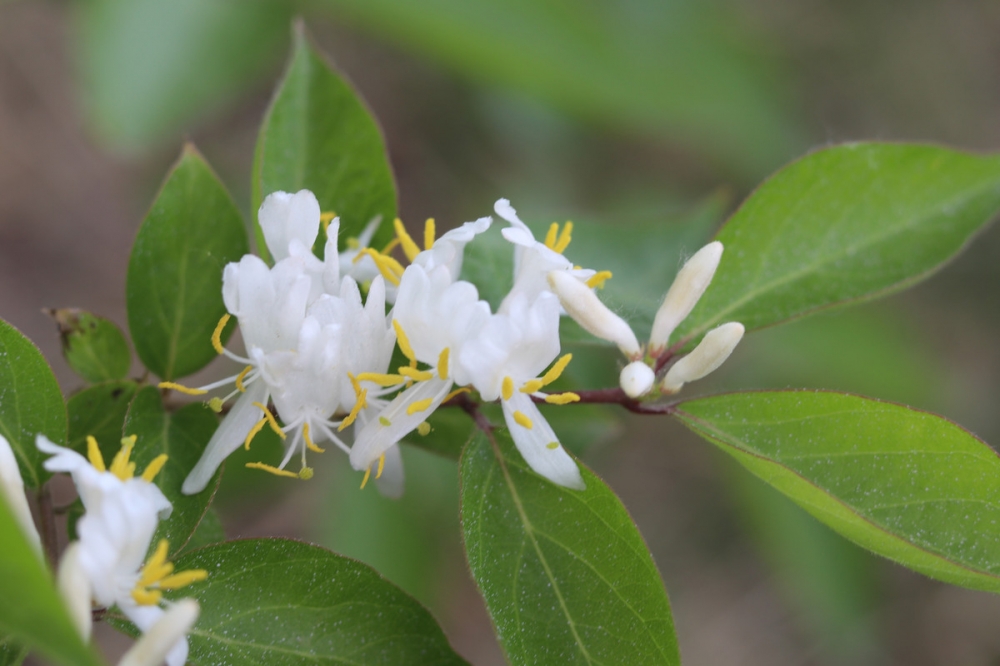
(75,589)
(165,640)
(583,305)
(636,379)
(713,349)
(691,282)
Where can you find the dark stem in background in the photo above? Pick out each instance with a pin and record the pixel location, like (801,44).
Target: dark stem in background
(47,518)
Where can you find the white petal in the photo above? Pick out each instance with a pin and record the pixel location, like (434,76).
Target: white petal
(586,309)
(710,353)
(227,438)
(553,463)
(75,590)
(12,488)
(286,217)
(507,212)
(165,639)
(390,484)
(689,285)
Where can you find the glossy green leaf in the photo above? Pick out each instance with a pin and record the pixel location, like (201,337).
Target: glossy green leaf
(30,402)
(31,611)
(208,532)
(908,485)
(843,224)
(150,67)
(318,135)
(174,282)
(94,347)
(182,435)
(99,411)
(11,653)
(276,601)
(565,573)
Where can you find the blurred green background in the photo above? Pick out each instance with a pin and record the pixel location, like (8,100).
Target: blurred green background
(660,114)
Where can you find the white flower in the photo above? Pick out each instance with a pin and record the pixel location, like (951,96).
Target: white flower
(163,640)
(583,305)
(12,489)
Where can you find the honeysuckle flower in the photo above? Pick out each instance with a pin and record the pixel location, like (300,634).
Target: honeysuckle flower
(710,353)
(12,488)
(583,305)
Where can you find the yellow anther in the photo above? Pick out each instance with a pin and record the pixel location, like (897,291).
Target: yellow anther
(217,334)
(215,404)
(380,378)
(598,279)
(442,367)
(381,466)
(416,375)
(153,468)
(183,579)
(309,443)
(552,236)
(272,470)
(552,445)
(306,473)
(458,391)
(522,420)
(270,420)
(424,429)
(390,246)
(181,388)
(359,404)
(410,249)
(257,427)
(403,341)
(507,388)
(94,454)
(556,370)
(121,466)
(156,566)
(429,233)
(390,269)
(147,597)
(325,219)
(353,243)
(240,377)
(384,421)
(158,574)
(364,481)
(562,398)
(564,238)
(354,383)
(532,386)
(419,406)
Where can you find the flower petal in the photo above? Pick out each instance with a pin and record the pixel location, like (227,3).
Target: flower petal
(391,483)
(164,633)
(288,217)
(12,487)
(553,463)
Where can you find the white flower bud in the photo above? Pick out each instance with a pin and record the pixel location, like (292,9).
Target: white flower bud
(75,589)
(583,305)
(691,282)
(163,638)
(713,349)
(636,379)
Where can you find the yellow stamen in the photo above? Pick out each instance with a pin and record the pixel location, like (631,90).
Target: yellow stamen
(552,445)
(562,398)
(403,341)
(181,389)
(410,249)
(556,370)
(381,466)
(416,375)
(156,566)
(507,388)
(458,391)
(390,269)
(552,236)
(380,378)
(424,429)
(598,279)
(217,333)
(419,406)
(309,443)
(564,238)
(153,468)
(183,579)
(390,246)
(306,473)
(429,233)
(158,574)
(522,420)
(240,377)
(364,481)
(442,367)
(215,404)
(257,427)
(270,420)
(384,421)
(272,470)
(354,383)
(359,404)
(94,454)
(147,597)
(121,466)
(532,386)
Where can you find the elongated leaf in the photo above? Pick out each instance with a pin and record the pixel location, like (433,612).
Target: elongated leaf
(174,282)
(31,611)
(566,576)
(276,601)
(94,347)
(11,653)
(30,402)
(99,411)
(182,435)
(318,135)
(844,224)
(905,484)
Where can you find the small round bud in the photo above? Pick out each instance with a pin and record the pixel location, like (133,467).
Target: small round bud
(636,379)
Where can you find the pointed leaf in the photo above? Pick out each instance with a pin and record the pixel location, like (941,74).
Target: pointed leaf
(174,282)
(566,576)
(843,224)
(30,402)
(11,653)
(99,411)
(94,347)
(319,136)
(908,485)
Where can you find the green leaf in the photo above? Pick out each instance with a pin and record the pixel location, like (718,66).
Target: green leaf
(566,576)
(11,653)
(149,68)
(319,136)
(182,435)
(99,411)
(908,485)
(94,347)
(174,282)
(31,611)
(208,532)
(844,224)
(30,403)
(276,601)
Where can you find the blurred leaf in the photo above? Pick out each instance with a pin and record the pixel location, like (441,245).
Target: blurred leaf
(319,136)
(208,532)
(908,485)
(11,654)
(681,69)
(99,411)
(566,576)
(451,428)
(847,223)
(150,68)
(275,601)
(94,347)
(174,283)
(31,611)
(182,435)
(30,403)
